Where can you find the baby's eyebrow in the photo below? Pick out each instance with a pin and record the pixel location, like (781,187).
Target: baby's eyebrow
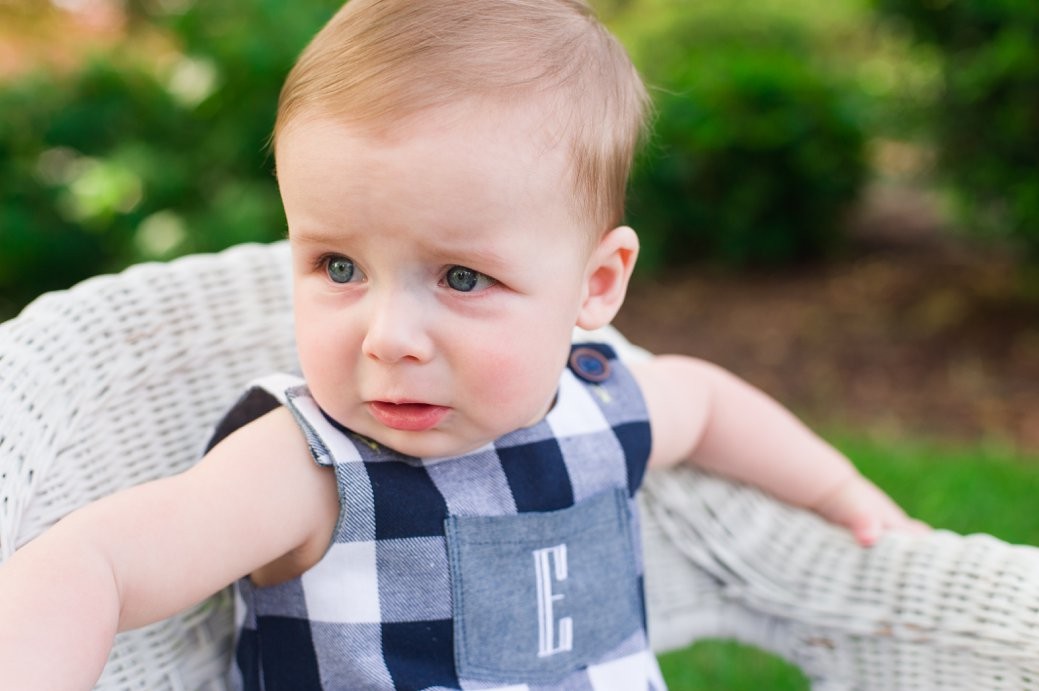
(479,257)
(312,236)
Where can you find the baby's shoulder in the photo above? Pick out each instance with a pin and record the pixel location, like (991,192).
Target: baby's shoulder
(260,433)
(677,393)
(270,436)
(259,398)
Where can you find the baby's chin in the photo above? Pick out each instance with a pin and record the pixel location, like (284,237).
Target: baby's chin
(429,444)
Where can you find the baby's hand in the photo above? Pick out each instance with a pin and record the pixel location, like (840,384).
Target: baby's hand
(861,507)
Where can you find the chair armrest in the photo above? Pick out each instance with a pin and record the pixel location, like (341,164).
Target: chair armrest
(913,612)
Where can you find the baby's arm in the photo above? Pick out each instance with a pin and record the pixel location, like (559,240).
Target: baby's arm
(149,552)
(702,414)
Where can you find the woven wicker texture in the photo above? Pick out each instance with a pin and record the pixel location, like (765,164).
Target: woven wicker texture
(117,381)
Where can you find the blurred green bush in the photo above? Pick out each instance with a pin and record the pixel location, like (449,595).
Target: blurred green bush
(123,160)
(986,118)
(756,152)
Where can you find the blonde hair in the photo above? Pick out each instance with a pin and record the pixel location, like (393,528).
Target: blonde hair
(377,62)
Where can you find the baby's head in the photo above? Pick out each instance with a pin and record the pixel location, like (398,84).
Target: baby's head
(453,175)
(380,63)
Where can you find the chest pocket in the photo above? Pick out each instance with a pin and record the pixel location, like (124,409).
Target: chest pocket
(539,595)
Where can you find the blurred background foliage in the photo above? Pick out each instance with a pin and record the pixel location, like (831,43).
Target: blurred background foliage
(757,148)
(771,117)
(150,145)
(985,120)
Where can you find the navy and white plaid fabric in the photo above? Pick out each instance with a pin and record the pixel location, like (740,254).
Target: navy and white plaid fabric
(514,567)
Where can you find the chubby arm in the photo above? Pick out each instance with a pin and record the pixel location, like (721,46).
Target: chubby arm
(704,415)
(146,553)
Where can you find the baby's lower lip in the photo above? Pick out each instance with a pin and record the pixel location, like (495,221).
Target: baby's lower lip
(409,417)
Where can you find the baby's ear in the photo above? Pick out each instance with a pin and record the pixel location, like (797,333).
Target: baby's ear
(606,277)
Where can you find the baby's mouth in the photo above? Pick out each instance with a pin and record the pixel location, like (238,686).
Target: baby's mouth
(408,417)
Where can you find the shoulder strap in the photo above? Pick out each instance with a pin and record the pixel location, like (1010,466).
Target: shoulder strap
(613,388)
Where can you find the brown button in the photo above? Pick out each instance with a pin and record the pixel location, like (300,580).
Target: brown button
(589,364)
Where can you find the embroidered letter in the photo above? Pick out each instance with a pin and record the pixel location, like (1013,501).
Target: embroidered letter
(547,642)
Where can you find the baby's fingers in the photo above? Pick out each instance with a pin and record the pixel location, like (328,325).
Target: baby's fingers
(868,529)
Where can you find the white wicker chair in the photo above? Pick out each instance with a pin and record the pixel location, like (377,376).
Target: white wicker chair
(117,381)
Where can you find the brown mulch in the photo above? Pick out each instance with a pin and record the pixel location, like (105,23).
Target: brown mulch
(914,332)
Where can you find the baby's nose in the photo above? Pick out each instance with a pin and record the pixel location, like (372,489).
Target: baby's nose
(397,329)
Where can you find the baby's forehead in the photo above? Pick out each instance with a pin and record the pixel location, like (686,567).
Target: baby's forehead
(538,122)
(534,125)
(529,133)
(489,161)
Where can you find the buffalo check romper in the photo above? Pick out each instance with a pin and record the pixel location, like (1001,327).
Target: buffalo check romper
(514,567)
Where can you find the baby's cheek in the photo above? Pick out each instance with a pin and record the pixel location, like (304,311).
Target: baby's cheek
(518,384)
(499,373)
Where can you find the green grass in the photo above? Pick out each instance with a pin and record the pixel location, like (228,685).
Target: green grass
(723,665)
(964,489)
(979,489)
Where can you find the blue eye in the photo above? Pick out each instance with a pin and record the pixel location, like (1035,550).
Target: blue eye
(466,280)
(340,269)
